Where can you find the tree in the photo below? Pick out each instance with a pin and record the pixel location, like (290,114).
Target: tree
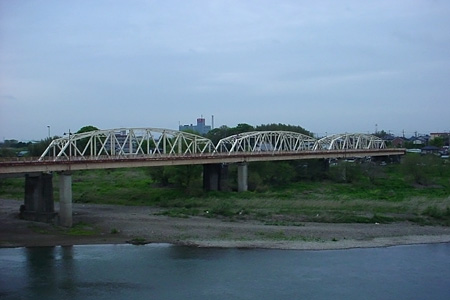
(184,177)
(217,134)
(372,171)
(283,127)
(10,144)
(437,142)
(274,173)
(36,149)
(83,142)
(380,134)
(240,128)
(158,175)
(87,129)
(313,169)
(345,172)
(421,169)
(7,152)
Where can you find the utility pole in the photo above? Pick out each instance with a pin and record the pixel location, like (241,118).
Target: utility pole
(70,146)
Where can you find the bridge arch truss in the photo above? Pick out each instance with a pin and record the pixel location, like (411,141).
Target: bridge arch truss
(266,141)
(350,141)
(157,142)
(127,142)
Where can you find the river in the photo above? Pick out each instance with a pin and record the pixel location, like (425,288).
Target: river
(163,271)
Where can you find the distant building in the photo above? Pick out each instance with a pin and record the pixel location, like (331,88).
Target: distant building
(398,142)
(388,137)
(420,140)
(201,127)
(429,150)
(444,135)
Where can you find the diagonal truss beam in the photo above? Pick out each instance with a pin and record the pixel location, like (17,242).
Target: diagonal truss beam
(350,141)
(127,142)
(266,141)
(156,142)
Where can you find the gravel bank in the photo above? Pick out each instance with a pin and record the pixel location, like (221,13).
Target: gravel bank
(119,224)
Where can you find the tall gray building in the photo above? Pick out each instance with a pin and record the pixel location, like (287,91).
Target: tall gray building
(201,127)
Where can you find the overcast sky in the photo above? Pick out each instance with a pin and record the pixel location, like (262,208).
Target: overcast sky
(328,66)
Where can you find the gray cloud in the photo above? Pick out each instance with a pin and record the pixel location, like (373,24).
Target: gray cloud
(330,66)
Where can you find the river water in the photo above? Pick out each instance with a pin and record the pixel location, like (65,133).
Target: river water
(162,271)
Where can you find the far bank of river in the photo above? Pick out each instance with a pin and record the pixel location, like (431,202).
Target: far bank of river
(109,224)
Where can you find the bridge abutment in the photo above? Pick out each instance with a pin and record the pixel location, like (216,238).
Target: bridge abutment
(215,177)
(38,200)
(65,199)
(242,177)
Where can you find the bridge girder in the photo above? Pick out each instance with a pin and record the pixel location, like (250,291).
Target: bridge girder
(126,142)
(266,141)
(350,141)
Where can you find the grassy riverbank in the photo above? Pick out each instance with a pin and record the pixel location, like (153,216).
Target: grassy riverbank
(394,195)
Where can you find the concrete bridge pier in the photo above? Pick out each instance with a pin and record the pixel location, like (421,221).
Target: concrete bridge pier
(65,199)
(242,177)
(215,177)
(38,202)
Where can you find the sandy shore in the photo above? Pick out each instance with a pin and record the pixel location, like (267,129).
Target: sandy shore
(119,224)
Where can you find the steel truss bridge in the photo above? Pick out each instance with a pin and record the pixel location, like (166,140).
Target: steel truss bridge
(139,147)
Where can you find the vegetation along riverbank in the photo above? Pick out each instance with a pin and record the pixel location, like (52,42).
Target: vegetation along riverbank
(282,197)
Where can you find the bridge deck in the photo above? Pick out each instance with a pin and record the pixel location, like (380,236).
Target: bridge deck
(74,164)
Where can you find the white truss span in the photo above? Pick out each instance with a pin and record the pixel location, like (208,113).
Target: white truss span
(157,142)
(266,141)
(127,142)
(349,141)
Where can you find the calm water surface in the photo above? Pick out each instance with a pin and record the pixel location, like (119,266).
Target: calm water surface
(164,271)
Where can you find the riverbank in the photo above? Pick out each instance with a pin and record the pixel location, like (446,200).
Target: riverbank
(111,224)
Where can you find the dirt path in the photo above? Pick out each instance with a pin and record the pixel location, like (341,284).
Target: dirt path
(119,224)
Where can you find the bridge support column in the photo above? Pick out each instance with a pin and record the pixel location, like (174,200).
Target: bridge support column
(38,202)
(215,177)
(325,164)
(242,177)
(65,199)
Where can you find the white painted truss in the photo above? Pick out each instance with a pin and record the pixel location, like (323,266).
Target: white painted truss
(157,142)
(349,141)
(266,141)
(127,142)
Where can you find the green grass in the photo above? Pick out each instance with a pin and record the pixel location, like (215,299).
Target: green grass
(282,236)
(81,229)
(78,229)
(393,196)
(12,188)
